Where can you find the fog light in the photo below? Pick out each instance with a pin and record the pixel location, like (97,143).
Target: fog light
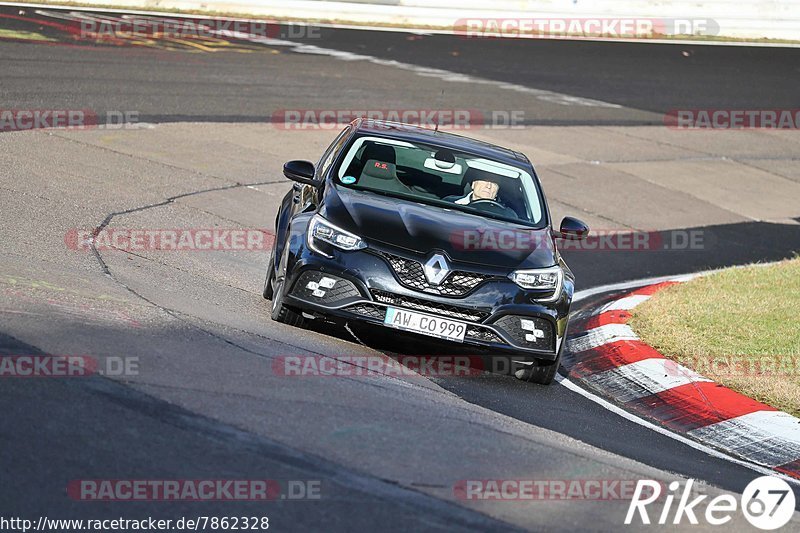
(535,333)
(528,331)
(320,289)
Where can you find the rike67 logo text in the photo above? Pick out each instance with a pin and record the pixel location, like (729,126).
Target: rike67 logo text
(767,503)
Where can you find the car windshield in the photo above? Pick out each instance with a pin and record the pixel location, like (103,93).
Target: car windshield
(443,178)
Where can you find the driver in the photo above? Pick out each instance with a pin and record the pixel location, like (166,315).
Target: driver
(482,189)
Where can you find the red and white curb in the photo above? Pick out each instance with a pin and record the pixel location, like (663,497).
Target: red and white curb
(610,359)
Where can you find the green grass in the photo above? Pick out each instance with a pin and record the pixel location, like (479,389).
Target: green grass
(739,327)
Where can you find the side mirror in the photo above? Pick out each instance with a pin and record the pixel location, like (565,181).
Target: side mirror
(573,229)
(301,172)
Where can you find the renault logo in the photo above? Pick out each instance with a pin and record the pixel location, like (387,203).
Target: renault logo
(436,269)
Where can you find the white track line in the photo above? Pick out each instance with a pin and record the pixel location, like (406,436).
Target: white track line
(667,433)
(624,304)
(425,72)
(634,284)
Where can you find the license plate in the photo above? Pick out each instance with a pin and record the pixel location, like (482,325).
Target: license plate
(425,324)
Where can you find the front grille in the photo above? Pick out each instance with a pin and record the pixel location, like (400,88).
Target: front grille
(452,311)
(482,334)
(526,337)
(411,274)
(368,310)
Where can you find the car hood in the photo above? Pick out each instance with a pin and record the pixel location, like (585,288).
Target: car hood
(423,228)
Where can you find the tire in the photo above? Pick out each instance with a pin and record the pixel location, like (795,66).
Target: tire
(281,313)
(270,278)
(502,365)
(541,374)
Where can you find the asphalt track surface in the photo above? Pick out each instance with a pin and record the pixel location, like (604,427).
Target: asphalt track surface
(652,77)
(55,431)
(646,80)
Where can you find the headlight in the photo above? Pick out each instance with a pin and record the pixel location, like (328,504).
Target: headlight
(541,279)
(320,230)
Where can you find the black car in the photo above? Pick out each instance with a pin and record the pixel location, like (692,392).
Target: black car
(425,232)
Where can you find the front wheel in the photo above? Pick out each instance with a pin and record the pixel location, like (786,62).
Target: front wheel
(270,278)
(281,313)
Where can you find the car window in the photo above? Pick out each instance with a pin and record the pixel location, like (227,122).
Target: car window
(442,177)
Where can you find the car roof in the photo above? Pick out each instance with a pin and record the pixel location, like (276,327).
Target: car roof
(410,132)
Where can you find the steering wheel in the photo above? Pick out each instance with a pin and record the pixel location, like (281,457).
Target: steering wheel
(491,206)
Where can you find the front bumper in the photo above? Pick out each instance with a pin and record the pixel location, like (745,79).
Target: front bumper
(360,285)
